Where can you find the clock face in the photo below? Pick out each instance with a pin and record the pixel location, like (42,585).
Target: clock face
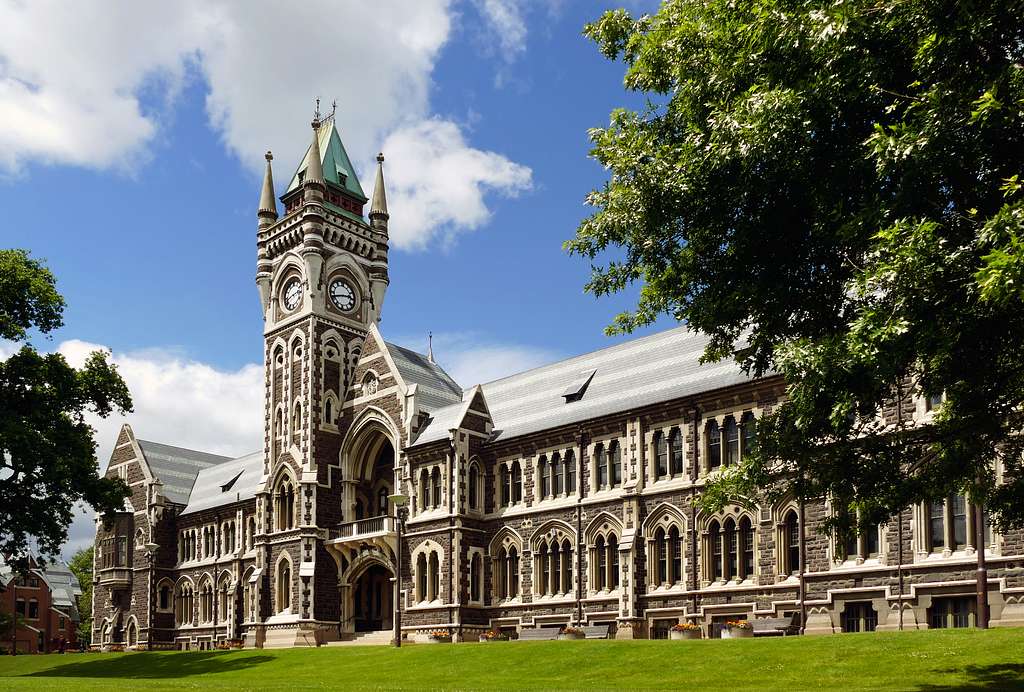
(342,295)
(292,294)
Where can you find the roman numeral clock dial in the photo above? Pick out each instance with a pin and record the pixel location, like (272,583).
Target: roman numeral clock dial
(342,295)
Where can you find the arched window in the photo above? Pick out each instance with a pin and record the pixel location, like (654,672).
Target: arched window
(557,474)
(506,485)
(297,421)
(675,549)
(517,482)
(165,597)
(421,577)
(435,577)
(284,585)
(675,442)
(279,434)
(183,604)
(513,572)
(475,577)
(715,541)
(613,562)
(252,532)
(206,602)
(285,505)
(329,410)
(424,489)
(474,481)
(543,473)
(732,442)
(792,533)
(747,548)
(556,567)
(749,424)
(566,566)
(602,466)
(731,567)
(714,445)
(435,482)
(661,553)
(602,564)
(660,455)
(615,464)
(545,569)
(570,472)
(222,601)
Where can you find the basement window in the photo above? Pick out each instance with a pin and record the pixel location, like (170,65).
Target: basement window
(578,387)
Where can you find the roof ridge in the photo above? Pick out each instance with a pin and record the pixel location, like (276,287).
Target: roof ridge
(186,449)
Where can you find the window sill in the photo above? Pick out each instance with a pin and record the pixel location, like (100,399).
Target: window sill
(553,599)
(427,605)
(734,584)
(859,563)
(678,587)
(604,594)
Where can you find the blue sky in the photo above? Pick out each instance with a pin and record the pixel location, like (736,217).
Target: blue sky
(132,168)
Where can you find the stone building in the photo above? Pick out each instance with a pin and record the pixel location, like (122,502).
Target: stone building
(560,495)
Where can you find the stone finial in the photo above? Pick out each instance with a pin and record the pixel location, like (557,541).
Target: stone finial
(379,203)
(268,207)
(315,166)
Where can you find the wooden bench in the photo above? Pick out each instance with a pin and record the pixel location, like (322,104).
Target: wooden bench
(538,634)
(775,627)
(596,631)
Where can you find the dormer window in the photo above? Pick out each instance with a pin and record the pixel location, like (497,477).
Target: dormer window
(578,387)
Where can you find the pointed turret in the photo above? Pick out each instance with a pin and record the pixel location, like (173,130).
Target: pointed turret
(430,346)
(315,167)
(379,204)
(267,212)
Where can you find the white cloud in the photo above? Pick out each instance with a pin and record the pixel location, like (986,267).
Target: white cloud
(504,19)
(88,83)
(437,183)
(176,401)
(474,359)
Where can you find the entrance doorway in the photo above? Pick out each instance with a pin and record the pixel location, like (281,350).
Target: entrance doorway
(372,602)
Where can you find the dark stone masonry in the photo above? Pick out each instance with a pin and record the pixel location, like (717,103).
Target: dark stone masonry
(565,494)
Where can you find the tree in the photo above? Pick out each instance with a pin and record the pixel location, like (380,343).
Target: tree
(81,566)
(47,450)
(832,192)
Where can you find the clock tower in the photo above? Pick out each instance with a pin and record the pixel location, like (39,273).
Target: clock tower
(322,272)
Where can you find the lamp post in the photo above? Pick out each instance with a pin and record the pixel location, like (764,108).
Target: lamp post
(401,512)
(151,549)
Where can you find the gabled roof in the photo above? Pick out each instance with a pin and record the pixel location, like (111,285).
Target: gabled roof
(435,388)
(177,467)
(629,375)
(227,482)
(447,418)
(337,166)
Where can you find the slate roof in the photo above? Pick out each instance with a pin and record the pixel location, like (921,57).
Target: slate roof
(177,467)
(64,587)
(629,375)
(440,422)
(435,388)
(230,481)
(337,166)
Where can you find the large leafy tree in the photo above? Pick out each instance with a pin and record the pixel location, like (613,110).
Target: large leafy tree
(832,191)
(47,450)
(81,566)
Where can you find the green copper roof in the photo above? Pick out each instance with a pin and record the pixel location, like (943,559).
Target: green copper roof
(337,167)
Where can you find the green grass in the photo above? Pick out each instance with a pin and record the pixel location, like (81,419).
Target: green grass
(942,659)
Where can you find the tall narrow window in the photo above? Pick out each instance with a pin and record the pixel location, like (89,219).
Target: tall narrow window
(715,540)
(747,546)
(792,527)
(732,442)
(615,464)
(602,564)
(958,515)
(435,577)
(424,489)
(937,525)
(570,472)
(474,577)
(602,466)
(500,574)
(435,482)
(871,542)
(513,572)
(556,567)
(613,562)
(506,485)
(730,548)
(675,443)
(660,555)
(749,424)
(933,401)
(517,482)
(714,446)
(660,455)
(474,479)
(545,479)
(421,577)
(566,566)
(545,569)
(557,474)
(675,548)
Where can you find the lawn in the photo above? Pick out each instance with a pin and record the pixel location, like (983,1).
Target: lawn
(941,659)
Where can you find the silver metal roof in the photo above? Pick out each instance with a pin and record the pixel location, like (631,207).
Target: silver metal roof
(440,422)
(629,375)
(435,389)
(177,467)
(227,482)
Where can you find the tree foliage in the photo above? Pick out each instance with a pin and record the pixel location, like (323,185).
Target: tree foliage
(81,567)
(47,450)
(831,191)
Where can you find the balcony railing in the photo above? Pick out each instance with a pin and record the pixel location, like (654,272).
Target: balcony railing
(115,577)
(364,528)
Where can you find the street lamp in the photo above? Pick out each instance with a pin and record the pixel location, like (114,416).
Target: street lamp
(401,512)
(151,549)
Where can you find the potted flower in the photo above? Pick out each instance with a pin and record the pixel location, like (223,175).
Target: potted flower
(493,636)
(571,632)
(684,630)
(737,629)
(439,636)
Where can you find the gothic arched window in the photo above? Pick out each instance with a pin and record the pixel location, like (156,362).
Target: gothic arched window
(714,445)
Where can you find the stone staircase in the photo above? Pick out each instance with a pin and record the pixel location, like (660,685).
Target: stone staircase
(379,638)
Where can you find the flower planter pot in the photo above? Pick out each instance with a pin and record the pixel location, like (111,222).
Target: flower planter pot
(736,633)
(684,634)
(571,635)
(439,640)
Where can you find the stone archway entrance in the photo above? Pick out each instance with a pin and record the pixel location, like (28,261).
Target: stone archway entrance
(372,605)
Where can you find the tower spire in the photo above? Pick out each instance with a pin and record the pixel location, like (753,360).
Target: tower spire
(430,347)
(315,166)
(267,211)
(379,203)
